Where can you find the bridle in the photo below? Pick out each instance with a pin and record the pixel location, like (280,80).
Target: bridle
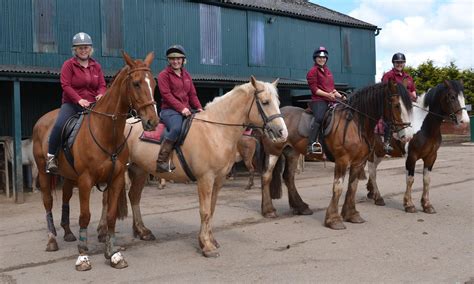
(132,112)
(451,116)
(395,126)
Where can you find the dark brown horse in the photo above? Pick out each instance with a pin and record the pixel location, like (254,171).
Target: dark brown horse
(100,154)
(443,102)
(347,142)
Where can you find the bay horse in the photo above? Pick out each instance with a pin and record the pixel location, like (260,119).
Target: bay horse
(209,149)
(347,142)
(443,102)
(100,154)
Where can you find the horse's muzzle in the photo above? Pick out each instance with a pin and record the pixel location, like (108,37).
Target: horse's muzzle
(149,125)
(276,133)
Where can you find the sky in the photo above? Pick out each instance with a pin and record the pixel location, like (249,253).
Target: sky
(439,30)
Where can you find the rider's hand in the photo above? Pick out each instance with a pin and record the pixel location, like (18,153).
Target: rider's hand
(99,96)
(199,109)
(83,103)
(186,112)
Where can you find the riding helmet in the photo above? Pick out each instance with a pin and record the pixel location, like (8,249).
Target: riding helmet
(320,52)
(398,57)
(81,39)
(175,51)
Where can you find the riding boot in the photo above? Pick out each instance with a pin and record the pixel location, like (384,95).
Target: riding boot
(313,146)
(163,164)
(51,164)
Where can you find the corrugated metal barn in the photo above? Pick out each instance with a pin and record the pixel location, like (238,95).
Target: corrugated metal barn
(226,42)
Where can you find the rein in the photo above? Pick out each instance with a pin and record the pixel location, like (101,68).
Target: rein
(266,119)
(132,112)
(452,116)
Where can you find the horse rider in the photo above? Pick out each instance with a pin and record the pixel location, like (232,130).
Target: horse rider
(83,83)
(398,75)
(178,95)
(323,92)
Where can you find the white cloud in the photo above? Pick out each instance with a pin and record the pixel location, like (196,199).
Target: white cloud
(422,29)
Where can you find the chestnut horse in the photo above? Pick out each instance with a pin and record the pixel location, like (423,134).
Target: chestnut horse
(347,143)
(100,154)
(209,149)
(445,101)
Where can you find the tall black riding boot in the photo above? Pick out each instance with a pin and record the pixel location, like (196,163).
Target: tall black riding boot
(313,146)
(163,164)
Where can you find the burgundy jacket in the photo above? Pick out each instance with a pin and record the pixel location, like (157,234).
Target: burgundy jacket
(81,83)
(398,77)
(177,92)
(320,79)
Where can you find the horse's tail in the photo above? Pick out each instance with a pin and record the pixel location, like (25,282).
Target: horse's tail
(122,209)
(275,184)
(259,156)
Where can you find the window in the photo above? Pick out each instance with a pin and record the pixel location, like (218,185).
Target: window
(210,27)
(112,27)
(44,32)
(256,42)
(347,49)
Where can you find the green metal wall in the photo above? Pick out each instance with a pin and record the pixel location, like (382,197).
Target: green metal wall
(155,24)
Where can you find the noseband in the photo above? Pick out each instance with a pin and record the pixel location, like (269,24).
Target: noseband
(266,119)
(395,126)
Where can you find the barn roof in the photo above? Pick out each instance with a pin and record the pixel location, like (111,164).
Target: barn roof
(295,8)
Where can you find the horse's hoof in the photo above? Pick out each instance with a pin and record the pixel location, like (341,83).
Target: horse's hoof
(304,211)
(148,237)
(429,210)
(118,261)
(370,195)
(52,245)
(83,263)
(70,237)
(379,202)
(101,238)
(355,219)
(410,209)
(212,253)
(272,214)
(336,225)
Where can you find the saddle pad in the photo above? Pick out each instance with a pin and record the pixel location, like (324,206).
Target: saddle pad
(155,135)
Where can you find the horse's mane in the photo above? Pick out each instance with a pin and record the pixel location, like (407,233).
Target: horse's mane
(244,88)
(370,102)
(431,98)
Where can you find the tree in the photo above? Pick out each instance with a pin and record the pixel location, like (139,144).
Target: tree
(426,75)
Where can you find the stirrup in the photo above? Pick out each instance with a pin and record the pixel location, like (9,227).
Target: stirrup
(387,148)
(316,148)
(165,167)
(51,165)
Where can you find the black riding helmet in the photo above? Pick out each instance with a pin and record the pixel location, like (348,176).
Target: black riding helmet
(398,57)
(320,52)
(175,51)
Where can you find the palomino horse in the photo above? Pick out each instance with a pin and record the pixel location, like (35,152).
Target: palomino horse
(100,154)
(445,101)
(348,143)
(209,150)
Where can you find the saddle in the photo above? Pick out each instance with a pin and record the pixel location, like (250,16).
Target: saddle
(69,133)
(307,120)
(156,136)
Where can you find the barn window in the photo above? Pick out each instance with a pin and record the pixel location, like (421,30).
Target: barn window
(210,27)
(112,27)
(256,42)
(44,28)
(347,49)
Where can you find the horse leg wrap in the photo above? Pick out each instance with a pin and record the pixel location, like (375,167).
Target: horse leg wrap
(82,246)
(110,246)
(50,222)
(65,215)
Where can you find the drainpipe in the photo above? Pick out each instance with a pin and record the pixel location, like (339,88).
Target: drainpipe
(377,31)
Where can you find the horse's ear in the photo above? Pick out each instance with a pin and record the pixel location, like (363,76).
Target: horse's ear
(253,81)
(275,83)
(393,85)
(447,84)
(149,58)
(128,59)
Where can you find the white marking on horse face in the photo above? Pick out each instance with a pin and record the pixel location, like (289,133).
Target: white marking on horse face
(463,117)
(147,80)
(405,134)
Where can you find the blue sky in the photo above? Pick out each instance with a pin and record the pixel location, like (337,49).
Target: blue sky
(440,30)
